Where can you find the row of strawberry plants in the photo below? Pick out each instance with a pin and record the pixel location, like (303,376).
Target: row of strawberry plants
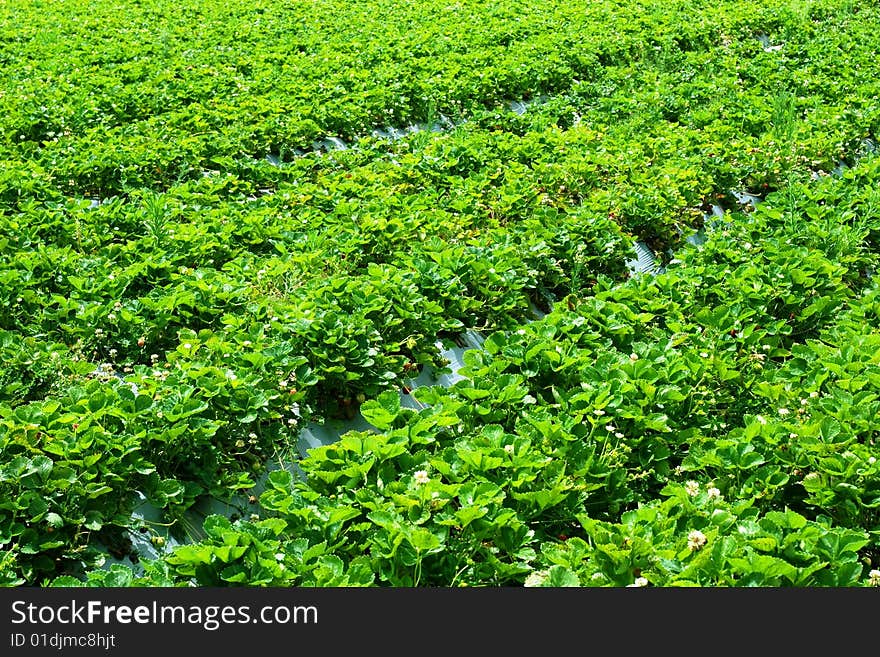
(152,107)
(683,429)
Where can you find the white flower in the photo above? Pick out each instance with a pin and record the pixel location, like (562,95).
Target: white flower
(692,488)
(783,411)
(760,418)
(508,449)
(703,354)
(713,493)
(187,345)
(111,317)
(640,582)
(599,411)
(633,357)
(421,477)
(279,556)
(872,460)
(696,540)
(814,394)
(610,427)
(252,435)
(792,435)
(874,578)
(618,435)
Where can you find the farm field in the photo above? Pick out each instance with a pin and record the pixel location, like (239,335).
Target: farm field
(467,293)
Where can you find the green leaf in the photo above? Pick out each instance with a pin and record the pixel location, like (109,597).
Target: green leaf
(841,545)
(93,521)
(763,543)
(342,514)
(54,520)
(423,540)
(382,411)
(142,402)
(215,526)
(118,576)
(96,490)
(42,465)
(468,514)
(773,568)
(560,576)
(97,401)
(281,479)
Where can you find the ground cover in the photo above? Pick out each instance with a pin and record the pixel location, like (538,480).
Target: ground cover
(209,238)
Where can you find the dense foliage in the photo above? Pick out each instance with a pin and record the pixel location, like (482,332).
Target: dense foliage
(215,227)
